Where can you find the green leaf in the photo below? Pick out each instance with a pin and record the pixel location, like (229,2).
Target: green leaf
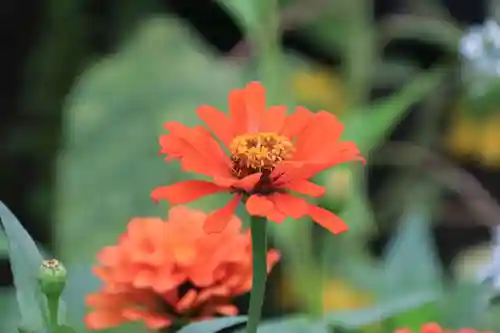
(81,282)
(369,127)
(25,260)
(64,329)
(213,325)
(360,318)
(415,318)
(8,310)
(245,12)
(113,119)
(410,261)
(295,324)
(465,305)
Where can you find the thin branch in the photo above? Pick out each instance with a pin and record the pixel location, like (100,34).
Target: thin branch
(445,173)
(477,199)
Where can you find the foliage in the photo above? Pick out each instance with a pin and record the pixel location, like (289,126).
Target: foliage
(109,164)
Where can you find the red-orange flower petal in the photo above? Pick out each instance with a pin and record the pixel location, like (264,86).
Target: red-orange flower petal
(195,148)
(323,131)
(218,122)
(306,187)
(274,119)
(327,220)
(255,102)
(290,205)
(259,205)
(271,153)
(237,110)
(186,191)
(296,122)
(431,328)
(218,220)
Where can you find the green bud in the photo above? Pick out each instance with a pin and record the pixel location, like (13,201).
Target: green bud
(52,278)
(338,186)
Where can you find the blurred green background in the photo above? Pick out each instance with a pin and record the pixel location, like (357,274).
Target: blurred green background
(88,85)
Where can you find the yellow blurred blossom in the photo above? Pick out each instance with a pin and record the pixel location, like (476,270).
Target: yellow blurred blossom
(338,183)
(475,139)
(462,136)
(320,88)
(489,153)
(338,295)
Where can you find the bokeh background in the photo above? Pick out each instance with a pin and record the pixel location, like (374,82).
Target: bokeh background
(88,84)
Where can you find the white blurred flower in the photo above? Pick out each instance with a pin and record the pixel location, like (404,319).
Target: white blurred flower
(491,272)
(480,52)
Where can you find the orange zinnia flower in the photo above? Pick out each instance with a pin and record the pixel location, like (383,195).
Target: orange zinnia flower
(271,154)
(166,272)
(435,328)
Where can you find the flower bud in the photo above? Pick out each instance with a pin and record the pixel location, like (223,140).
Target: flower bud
(52,278)
(338,185)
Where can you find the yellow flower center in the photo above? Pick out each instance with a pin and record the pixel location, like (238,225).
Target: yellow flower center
(259,152)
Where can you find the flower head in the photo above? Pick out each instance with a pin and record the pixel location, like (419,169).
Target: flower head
(265,156)
(163,271)
(435,328)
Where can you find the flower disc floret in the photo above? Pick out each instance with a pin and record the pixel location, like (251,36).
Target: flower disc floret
(259,152)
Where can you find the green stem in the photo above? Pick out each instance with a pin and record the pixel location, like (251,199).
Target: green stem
(53,309)
(259,253)
(266,45)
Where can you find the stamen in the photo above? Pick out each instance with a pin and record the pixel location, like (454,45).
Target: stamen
(259,152)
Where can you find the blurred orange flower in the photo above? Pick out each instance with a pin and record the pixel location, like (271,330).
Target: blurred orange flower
(435,328)
(166,271)
(271,154)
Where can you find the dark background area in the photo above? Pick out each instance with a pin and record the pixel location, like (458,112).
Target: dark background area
(34,118)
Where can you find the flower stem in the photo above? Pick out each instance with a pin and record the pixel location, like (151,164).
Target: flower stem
(53,309)
(258,227)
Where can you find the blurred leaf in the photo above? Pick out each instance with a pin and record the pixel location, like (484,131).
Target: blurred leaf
(213,325)
(25,260)
(428,30)
(360,318)
(410,261)
(465,305)
(483,104)
(415,318)
(8,310)
(81,282)
(369,127)
(295,324)
(114,115)
(245,12)
(65,329)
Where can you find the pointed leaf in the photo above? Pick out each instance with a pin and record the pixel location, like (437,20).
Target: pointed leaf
(25,261)
(410,261)
(363,317)
(213,325)
(245,12)
(295,324)
(465,305)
